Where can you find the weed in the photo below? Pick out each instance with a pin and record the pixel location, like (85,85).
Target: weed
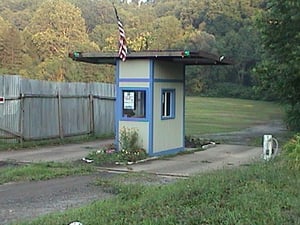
(292,152)
(130,149)
(51,142)
(41,171)
(105,156)
(196,142)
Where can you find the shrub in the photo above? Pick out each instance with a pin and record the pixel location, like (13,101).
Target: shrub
(292,152)
(293,117)
(104,156)
(130,149)
(196,142)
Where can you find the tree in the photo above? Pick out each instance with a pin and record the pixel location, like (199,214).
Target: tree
(12,56)
(18,12)
(52,28)
(138,29)
(56,29)
(280,71)
(167,33)
(95,12)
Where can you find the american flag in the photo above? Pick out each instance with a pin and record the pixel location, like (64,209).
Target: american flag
(122,39)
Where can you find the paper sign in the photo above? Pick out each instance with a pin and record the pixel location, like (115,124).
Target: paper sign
(128,100)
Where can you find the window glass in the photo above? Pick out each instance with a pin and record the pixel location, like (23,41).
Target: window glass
(168,104)
(134,104)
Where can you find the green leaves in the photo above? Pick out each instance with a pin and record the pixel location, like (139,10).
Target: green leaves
(130,146)
(11,48)
(52,29)
(280,36)
(56,29)
(292,151)
(41,171)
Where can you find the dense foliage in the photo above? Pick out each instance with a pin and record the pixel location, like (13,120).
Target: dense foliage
(279,73)
(45,31)
(292,152)
(36,37)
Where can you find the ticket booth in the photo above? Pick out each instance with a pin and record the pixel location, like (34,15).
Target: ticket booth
(150,94)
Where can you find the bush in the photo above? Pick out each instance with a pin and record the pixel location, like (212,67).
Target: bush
(106,156)
(292,152)
(195,142)
(293,117)
(130,149)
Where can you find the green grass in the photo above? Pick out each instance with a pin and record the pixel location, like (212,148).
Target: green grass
(264,194)
(42,171)
(214,115)
(4,145)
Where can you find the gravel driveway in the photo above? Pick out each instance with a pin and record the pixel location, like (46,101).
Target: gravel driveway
(27,200)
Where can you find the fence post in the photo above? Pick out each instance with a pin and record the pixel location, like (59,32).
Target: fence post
(21,119)
(91,109)
(60,126)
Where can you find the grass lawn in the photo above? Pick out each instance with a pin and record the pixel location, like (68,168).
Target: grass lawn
(214,115)
(264,194)
(41,171)
(51,142)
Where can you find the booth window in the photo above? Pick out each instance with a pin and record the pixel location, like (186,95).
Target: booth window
(134,103)
(168,104)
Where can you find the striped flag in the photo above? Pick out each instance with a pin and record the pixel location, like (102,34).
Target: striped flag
(122,38)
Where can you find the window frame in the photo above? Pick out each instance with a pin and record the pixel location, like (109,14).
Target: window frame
(135,103)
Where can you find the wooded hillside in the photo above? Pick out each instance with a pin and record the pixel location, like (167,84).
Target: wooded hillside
(37,35)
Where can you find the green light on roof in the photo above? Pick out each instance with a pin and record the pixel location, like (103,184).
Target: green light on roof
(76,54)
(186,53)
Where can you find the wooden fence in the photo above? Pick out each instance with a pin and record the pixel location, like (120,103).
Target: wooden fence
(34,110)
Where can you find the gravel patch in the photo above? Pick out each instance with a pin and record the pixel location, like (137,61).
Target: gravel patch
(27,200)
(246,136)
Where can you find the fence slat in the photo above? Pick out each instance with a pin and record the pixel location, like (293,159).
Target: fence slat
(60,124)
(36,110)
(10,109)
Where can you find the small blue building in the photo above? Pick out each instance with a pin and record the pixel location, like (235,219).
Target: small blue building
(150,94)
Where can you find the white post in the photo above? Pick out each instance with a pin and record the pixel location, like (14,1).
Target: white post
(268,149)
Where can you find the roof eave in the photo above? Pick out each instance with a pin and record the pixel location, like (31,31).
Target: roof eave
(193,58)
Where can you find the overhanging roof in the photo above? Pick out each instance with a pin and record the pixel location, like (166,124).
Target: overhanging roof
(185,57)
